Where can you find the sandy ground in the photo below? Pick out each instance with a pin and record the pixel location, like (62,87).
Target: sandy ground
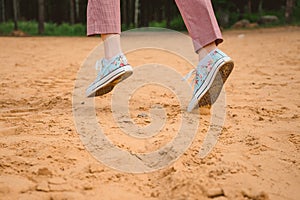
(257,155)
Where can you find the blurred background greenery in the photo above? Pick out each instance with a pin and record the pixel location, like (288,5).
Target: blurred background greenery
(68,17)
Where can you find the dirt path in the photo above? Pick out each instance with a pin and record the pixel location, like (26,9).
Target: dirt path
(257,155)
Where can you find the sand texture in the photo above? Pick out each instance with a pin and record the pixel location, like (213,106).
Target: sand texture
(257,156)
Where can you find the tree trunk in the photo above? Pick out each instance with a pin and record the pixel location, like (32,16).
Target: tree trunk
(168,14)
(72,13)
(260,7)
(289,10)
(144,13)
(136,13)
(3,10)
(41,20)
(131,11)
(15,8)
(124,13)
(76,10)
(249,6)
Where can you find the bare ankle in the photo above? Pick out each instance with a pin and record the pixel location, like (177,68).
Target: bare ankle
(206,49)
(105,36)
(112,45)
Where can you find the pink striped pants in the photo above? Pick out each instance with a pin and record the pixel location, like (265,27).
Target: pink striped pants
(103,17)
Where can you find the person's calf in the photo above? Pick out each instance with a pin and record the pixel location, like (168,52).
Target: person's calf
(112,45)
(202,53)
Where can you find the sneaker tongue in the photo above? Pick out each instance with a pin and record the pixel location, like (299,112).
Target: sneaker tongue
(105,62)
(207,58)
(108,61)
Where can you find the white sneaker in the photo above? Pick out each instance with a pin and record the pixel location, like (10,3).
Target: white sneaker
(110,73)
(207,87)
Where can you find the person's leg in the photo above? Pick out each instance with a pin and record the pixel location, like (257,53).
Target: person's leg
(112,45)
(201,23)
(203,28)
(103,17)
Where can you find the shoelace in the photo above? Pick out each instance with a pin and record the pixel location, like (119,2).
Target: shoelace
(188,76)
(102,64)
(99,65)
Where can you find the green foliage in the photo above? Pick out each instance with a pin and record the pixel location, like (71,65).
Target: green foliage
(125,27)
(226,18)
(6,28)
(178,24)
(65,29)
(51,29)
(296,14)
(27,27)
(255,17)
(252,17)
(162,24)
(226,12)
(233,18)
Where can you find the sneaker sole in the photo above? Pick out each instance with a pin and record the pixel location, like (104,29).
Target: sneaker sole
(107,84)
(211,89)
